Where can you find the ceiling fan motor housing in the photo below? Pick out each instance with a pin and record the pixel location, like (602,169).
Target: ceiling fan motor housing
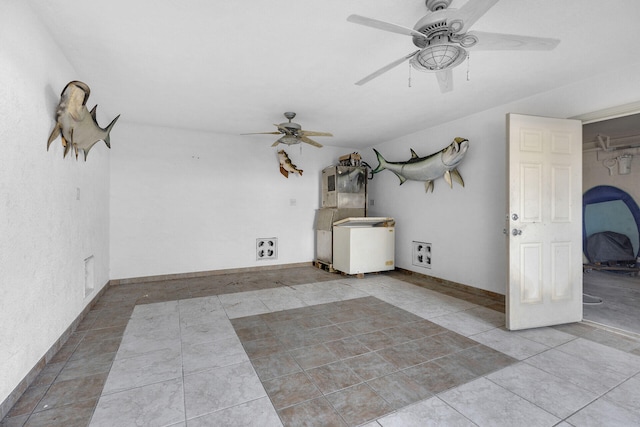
(434,5)
(291,127)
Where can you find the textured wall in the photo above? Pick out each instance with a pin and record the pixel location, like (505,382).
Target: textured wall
(46,231)
(187,201)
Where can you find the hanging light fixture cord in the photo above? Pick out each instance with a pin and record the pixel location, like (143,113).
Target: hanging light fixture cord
(468,67)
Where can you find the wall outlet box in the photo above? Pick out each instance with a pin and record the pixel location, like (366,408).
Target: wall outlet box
(421,254)
(266,248)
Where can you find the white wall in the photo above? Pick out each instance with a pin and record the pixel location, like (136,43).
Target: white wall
(187,201)
(46,233)
(595,173)
(465,225)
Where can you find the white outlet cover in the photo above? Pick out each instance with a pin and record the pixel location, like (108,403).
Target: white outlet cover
(266,248)
(421,254)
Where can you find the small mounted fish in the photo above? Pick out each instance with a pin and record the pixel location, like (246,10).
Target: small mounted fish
(444,164)
(77,126)
(286,166)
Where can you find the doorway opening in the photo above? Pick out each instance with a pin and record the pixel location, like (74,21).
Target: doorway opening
(610,195)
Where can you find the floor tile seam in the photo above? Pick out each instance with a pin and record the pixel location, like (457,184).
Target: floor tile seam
(55,408)
(608,398)
(616,370)
(547,347)
(26,422)
(559,419)
(146,384)
(35,406)
(435,396)
(92,356)
(63,406)
(396,369)
(447,330)
(604,399)
(568,378)
(209,341)
(305,370)
(107,371)
(182,371)
(187,419)
(373,390)
(317,388)
(562,418)
(57,380)
(325,396)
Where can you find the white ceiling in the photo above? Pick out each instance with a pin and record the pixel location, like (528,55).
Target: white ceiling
(235,66)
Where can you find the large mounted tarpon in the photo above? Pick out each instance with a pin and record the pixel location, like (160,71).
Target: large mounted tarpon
(444,163)
(76,125)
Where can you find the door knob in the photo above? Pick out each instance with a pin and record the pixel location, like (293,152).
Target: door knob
(516,232)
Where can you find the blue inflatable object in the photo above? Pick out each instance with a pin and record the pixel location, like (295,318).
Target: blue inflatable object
(607,193)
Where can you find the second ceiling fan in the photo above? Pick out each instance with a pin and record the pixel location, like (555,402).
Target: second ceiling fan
(292,133)
(443,37)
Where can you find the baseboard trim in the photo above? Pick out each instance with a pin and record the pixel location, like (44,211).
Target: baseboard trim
(458,286)
(178,276)
(23,385)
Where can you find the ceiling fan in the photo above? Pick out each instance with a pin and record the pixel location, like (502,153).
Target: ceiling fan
(292,133)
(443,38)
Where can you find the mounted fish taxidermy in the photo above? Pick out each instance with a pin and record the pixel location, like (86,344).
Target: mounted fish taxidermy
(286,166)
(77,126)
(444,163)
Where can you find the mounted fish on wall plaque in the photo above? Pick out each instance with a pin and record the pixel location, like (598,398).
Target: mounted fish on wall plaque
(77,126)
(286,165)
(443,163)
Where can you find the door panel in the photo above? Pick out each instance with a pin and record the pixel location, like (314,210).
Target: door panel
(544,221)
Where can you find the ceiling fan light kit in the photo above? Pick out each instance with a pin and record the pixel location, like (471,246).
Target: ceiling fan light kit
(438,55)
(442,38)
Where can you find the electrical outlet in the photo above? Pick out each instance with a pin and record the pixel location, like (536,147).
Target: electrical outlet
(421,256)
(266,248)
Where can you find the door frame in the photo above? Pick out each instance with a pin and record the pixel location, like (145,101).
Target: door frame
(600,116)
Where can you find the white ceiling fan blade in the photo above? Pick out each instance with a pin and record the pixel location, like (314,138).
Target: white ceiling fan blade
(386,68)
(496,41)
(445,80)
(382,25)
(471,12)
(310,141)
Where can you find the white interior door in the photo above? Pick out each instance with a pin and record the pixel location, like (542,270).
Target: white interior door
(544,221)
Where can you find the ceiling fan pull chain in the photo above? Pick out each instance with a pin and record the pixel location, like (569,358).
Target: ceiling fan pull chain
(409,74)
(468,66)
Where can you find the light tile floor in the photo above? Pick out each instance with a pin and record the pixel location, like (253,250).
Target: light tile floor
(305,347)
